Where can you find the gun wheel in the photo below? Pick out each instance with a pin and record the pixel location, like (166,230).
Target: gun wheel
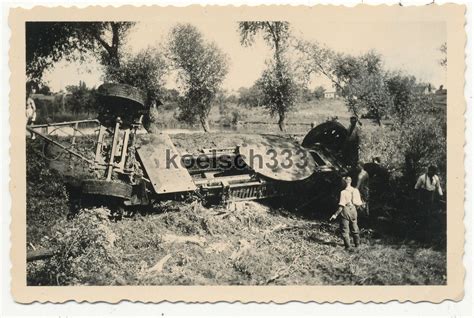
(107,189)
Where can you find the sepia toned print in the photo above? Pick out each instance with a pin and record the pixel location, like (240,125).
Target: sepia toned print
(225,154)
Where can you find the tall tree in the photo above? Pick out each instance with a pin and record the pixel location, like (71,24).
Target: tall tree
(362,83)
(316,58)
(277,78)
(49,42)
(144,70)
(361,80)
(201,67)
(280,91)
(275,34)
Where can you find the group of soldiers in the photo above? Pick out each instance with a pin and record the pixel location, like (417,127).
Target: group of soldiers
(354,198)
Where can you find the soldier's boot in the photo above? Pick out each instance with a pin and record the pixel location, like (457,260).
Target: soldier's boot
(347,242)
(356,240)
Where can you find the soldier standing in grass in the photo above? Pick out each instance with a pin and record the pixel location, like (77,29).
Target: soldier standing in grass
(429,187)
(429,193)
(348,201)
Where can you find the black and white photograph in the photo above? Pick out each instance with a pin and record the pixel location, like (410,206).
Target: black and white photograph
(212,151)
(251,153)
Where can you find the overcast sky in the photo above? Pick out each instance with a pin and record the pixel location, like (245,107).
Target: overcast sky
(410,47)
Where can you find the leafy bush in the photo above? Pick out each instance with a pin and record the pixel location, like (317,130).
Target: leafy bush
(252,96)
(318,92)
(424,141)
(383,142)
(409,148)
(82,99)
(232,118)
(85,252)
(236,117)
(361,81)
(42,183)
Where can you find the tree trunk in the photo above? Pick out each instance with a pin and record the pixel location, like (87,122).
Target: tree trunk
(281,122)
(113,53)
(204,123)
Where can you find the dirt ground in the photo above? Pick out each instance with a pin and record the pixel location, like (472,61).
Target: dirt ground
(252,244)
(248,243)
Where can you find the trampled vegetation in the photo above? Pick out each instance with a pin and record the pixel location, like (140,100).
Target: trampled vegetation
(251,243)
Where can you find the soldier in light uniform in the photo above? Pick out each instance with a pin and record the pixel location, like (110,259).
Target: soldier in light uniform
(348,202)
(428,186)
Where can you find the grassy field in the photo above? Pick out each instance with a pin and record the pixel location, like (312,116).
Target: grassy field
(183,243)
(258,119)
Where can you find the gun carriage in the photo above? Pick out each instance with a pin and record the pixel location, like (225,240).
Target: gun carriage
(117,159)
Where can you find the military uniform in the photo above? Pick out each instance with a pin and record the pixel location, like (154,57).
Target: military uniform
(363,186)
(350,150)
(349,199)
(428,188)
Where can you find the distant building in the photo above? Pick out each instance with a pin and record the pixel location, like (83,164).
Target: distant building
(330,95)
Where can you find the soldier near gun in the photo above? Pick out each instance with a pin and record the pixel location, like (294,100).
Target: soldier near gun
(348,203)
(363,186)
(350,148)
(429,188)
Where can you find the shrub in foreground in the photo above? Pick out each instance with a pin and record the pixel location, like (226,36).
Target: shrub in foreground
(84,252)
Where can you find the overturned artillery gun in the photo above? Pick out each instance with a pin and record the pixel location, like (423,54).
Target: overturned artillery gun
(125,164)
